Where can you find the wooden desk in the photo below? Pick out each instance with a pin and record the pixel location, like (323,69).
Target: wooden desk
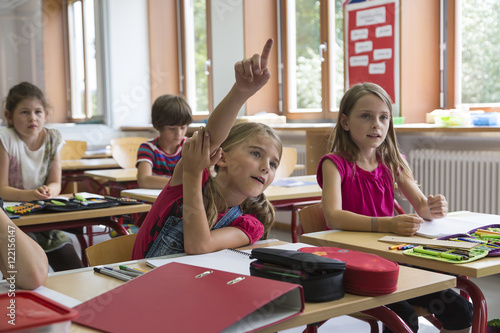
(116,179)
(97,153)
(89,164)
(368,242)
(84,284)
(72,172)
(282,198)
(143,194)
(79,219)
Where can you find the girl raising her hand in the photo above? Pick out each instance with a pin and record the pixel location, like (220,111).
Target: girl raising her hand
(197,213)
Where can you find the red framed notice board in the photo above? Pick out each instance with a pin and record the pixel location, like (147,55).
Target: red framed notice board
(372,45)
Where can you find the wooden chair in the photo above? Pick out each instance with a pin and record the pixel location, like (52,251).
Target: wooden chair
(73,150)
(287,164)
(312,219)
(124,150)
(110,251)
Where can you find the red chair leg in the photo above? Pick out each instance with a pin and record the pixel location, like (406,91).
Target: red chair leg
(480,316)
(388,318)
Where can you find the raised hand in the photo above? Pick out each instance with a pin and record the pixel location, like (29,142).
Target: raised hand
(253,73)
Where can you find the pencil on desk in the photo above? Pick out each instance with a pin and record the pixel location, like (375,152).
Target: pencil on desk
(396,247)
(482,231)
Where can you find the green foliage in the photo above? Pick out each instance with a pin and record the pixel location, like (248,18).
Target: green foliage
(200,45)
(309,80)
(308,74)
(494,323)
(480,50)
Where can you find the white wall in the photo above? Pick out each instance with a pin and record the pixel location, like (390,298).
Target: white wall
(128,63)
(21,56)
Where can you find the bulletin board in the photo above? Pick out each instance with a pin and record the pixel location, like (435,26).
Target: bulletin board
(372,45)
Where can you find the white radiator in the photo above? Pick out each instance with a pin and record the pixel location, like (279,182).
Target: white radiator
(470,180)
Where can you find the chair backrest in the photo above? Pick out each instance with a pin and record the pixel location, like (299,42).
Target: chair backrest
(397,208)
(124,150)
(287,163)
(312,218)
(73,150)
(110,251)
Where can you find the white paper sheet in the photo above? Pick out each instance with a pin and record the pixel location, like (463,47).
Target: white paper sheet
(455,223)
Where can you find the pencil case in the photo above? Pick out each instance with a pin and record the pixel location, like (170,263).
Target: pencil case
(491,252)
(74,205)
(25,208)
(365,273)
(321,278)
(451,256)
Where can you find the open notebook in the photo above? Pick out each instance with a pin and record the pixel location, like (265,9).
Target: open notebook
(454,223)
(229,260)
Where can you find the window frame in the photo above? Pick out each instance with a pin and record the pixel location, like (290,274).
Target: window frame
(328,110)
(70,73)
(452,82)
(188,77)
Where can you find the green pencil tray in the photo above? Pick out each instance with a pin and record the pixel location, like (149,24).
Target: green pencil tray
(475,255)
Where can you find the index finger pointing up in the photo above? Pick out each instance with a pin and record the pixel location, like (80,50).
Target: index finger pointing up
(266,52)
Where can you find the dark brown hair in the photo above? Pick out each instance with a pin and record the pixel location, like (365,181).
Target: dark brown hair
(22,91)
(170,110)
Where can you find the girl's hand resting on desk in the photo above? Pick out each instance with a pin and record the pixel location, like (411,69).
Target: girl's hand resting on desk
(406,224)
(43,192)
(438,206)
(196,153)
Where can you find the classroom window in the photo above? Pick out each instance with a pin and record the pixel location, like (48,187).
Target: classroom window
(82,60)
(313,58)
(478,46)
(197,69)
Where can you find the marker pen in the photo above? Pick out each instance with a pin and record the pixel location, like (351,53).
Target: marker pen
(112,274)
(79,197)
(132,274)
(133,270)
(471,240)
(439,254)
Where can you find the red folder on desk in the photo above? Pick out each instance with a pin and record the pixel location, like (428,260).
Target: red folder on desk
(184,298)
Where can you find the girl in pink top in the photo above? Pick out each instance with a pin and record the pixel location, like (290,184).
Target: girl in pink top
(364,165)
(358,179)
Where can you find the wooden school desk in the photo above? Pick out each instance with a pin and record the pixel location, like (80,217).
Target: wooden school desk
(115,179)
(84,284)
(72,172)
(369,242)
(282,198)
(78,219)
(97,153)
